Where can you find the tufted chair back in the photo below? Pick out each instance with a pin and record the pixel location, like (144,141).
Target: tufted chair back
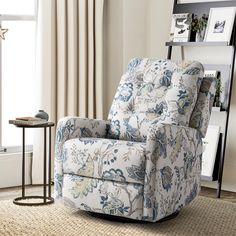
(153,91)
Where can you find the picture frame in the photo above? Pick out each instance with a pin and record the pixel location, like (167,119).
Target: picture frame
(220,24)
(210,146)
(224,73)
(219,88)
(180,27)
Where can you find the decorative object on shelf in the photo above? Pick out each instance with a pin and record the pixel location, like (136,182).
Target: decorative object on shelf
(220,24)
(221,72)
(180,27)
(218,95)
(217,101)
(198,26)
(42,115)
(193,32)
(2,33)
(210,146)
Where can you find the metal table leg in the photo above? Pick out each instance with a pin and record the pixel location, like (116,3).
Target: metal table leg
(49,164)
(23,162)
(45,166)
(45,199)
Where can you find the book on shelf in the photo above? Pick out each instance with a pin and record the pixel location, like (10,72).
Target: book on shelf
(211,73)
(180,27)
(216,109)
(28,121)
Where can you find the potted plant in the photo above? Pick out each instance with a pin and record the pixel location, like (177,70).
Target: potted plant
(198,26)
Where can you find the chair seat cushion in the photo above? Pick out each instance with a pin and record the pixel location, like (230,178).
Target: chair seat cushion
(117,160)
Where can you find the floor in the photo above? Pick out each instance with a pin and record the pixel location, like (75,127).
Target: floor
(11,193)
(225,195)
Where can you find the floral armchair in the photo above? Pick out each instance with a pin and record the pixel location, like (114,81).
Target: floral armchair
(144,162)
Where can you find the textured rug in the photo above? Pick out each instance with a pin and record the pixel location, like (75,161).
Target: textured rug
(204,216)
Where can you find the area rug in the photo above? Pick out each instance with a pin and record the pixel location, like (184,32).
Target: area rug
(204,216)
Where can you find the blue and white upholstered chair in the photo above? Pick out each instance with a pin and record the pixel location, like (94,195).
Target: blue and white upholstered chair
(144,162)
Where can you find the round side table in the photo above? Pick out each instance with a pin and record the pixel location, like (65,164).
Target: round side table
(46,198)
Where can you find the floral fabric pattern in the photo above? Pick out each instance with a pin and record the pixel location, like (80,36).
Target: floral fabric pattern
(144,162)
(70,128)
(107,197)
(202,111)
(153,89)
(118,160)
(173,175)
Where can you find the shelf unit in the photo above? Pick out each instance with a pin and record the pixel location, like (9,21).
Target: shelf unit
(199,9)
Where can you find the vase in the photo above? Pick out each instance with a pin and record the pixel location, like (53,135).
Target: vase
(203,32)
(198,37)
(192,36)
(42,115)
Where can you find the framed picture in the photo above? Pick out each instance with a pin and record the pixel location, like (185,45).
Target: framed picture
(210,146)
(223,72)
(180,27)
(220,24)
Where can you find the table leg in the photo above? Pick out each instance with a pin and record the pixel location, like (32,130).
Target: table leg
(23,162)
(45,199)
(49,164)
(45,166)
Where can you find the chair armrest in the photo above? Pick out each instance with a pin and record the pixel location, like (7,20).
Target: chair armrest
(69,128)
(173,169)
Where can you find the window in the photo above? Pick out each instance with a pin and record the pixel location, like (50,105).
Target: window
(17,69)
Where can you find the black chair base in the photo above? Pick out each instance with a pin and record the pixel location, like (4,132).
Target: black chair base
(127,220)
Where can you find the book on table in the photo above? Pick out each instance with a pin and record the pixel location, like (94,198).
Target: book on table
(31,121)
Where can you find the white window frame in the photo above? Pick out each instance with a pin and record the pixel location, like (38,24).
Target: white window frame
(15,17)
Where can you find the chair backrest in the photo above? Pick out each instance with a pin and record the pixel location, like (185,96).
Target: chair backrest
(155,90)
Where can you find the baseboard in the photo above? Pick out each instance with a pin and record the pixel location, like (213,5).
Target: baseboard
(225,186)
(11,169)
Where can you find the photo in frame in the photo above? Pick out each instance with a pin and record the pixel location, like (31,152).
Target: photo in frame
(220,24)
(224,72)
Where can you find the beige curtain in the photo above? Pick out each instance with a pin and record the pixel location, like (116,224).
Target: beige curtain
(69,64)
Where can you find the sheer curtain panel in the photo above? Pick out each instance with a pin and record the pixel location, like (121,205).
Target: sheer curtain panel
(69,64)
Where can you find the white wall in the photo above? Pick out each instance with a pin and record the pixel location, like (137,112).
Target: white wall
(125,38)
(141,28)
(113,45)
(11,170)
(135,24)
